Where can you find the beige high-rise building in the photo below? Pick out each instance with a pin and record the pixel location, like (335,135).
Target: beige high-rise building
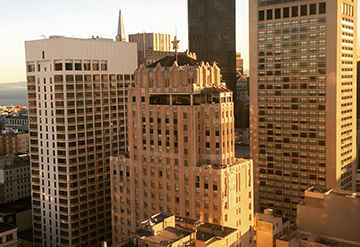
(181,156)
(151,45)
(14,143)
(77,95)
(302,98)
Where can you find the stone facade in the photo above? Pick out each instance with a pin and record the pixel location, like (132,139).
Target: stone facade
(14,144)
(181,156)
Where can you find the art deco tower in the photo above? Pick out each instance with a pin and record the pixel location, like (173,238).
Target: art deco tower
(303,98)
(77,94)
(181,156)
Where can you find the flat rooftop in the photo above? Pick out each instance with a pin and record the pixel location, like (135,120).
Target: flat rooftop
(168,236)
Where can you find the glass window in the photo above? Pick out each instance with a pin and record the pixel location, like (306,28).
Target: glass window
(313,9)
(269,14)
(295,11)
(277,13)
(303,10)
(261,15)
(322,8)
(286,12)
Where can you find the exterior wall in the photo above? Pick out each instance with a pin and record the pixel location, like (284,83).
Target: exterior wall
(149,44)
(14,144)
(239,64)
(302,113)
(14,179)
(181,156)
(339,211)
(212,35)
(9,238)
(77,93)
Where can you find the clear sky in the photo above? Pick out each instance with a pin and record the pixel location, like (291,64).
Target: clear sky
(22,20)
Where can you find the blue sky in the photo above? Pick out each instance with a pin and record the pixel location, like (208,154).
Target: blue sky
(22,20)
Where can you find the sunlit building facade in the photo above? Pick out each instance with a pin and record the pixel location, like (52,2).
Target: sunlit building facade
(77,95)
(302,98)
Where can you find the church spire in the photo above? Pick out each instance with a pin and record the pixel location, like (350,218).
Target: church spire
(121,32)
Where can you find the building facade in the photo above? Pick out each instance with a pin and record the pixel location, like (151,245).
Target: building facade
(77,93)
(212,35)
(151,45)
(14,178)
(302,98)
(239,64)
(14,144)
(181,156)
(8,235)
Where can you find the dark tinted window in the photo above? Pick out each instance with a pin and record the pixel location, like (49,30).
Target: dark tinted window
(312,9)
(269,14)
(277,13)
(303,10)
(295,11)
(322,8)
(261,15)
(286,13)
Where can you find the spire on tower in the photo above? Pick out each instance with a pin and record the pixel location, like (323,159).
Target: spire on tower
(121,32)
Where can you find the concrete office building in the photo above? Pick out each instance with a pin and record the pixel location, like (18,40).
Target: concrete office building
(212,35)
(77,93)
(151,45)
(302,98)
(181,156)
(14,178)
(14,144)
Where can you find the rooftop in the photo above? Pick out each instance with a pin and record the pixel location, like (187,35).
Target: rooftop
(168,236)
(181,59)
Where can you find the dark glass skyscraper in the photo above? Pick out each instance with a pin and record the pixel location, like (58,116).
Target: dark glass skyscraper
(212,35)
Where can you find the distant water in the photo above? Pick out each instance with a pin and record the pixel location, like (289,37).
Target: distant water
(13,93)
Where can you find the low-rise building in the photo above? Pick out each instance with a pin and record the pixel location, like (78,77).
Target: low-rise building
(14,178)
(8,235)
(169,230)
(14,143)
(324,219)
(19,123)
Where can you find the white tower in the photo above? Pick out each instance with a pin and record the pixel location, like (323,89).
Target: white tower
(121,32)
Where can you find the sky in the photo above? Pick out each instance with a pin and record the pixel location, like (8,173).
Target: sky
(22,20)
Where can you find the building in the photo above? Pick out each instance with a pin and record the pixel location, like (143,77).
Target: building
(324,219)
(121,31)
(239,64)
(302,98)
(14,178)
(18,123)
(168,230)
(357,183)
(8,235)
(181,156)
(243,101)
(151,46)
(77,92)
(212,35)
(14,143)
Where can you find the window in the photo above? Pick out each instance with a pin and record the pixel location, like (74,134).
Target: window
(261,15)
(303,10)
(43,55)
(95,66)
(58,66)
(277,13)
(295,11)
(78,66)
(322,8)
(286,12)
(68,66)
(269,14)
(313,9)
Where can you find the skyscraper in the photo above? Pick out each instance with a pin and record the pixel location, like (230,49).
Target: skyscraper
(212,35)
(77,94)
(181,156)
(303,98)
(121,31)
